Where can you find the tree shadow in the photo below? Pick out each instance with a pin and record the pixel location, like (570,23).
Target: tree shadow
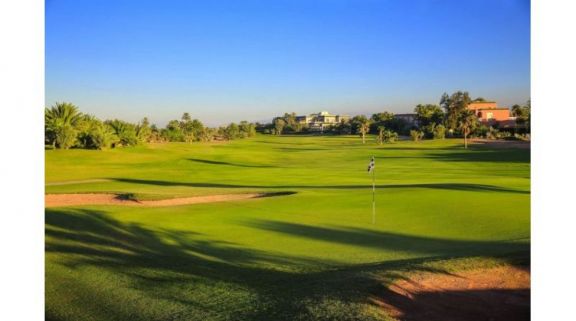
(441,186)
(298,149)
(454,305)
(393,242)
(484,155)
(420,148)
(212,162)
(287,288)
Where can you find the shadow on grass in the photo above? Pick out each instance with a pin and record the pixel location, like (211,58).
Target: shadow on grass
(484,155)
(441,186)
(475,154)
(391,241)
(211,162)
(469,305)
(286,288)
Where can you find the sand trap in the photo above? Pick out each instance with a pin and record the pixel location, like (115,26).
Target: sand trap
(59,200)
(500,293)
(502,143)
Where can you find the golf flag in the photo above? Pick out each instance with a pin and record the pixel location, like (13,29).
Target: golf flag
(371,170)
(371,165)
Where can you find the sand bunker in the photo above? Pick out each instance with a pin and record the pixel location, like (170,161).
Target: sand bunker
(59,200)
(502,143)
(500,293)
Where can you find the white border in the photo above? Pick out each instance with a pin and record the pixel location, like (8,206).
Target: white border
(553,161)
(22,159)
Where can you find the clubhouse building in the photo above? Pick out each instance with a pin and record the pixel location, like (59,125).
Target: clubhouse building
(321,121)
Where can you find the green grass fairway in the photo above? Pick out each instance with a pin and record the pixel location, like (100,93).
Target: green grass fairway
(310,255)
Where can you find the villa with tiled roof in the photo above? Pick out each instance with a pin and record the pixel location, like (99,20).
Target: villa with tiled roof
(489,113)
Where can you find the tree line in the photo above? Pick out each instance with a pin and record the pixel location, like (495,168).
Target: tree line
(66,127)
(450,117)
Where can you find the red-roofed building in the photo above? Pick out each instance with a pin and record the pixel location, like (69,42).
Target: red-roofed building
(489,113)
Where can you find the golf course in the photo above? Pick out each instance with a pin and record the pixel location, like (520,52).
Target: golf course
(289,235)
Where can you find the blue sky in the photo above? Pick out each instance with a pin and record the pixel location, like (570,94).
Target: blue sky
(225,61)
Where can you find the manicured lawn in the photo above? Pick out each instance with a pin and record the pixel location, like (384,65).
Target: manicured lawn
(311,255)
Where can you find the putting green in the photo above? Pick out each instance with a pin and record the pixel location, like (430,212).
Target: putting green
(311,254)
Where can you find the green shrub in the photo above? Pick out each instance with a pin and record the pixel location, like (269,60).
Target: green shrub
(416,135)
(439,132)
(390,136)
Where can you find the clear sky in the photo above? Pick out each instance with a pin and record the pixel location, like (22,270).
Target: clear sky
(235,60)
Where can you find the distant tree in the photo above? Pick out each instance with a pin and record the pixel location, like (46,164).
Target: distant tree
(467,122)
(397,124)
(429,114)
(389,136)
(155,134)
(94,134)
(380,137)
(247,129)
(126,132)
(290,122)
(143,130)
(172,132)
(479,100)
(243,129)
(439,131)
(102,136)
(207,134)
(298,127)
(528,105)
(343,128)
(191,129)
(232,131)
(60,123)
(279,125)
(522,114)
(382,117)
(428,130)
(455,106)
(362,125)
(389,121)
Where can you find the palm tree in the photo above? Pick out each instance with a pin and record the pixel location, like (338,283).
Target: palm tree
(279,125)
(60,122)
(380,134)
(126,132)
(363,126)
(467,123)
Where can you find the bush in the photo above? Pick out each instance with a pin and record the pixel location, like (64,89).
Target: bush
(492,133)
(428,130)
(97,136)
(416,135)
(481,131)
(390,136)
(439,132)
(503,135)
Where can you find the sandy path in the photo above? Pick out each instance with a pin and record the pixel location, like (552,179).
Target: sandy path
(500,293)
(59,200)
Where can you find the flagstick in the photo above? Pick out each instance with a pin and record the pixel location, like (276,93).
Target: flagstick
(373,194)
